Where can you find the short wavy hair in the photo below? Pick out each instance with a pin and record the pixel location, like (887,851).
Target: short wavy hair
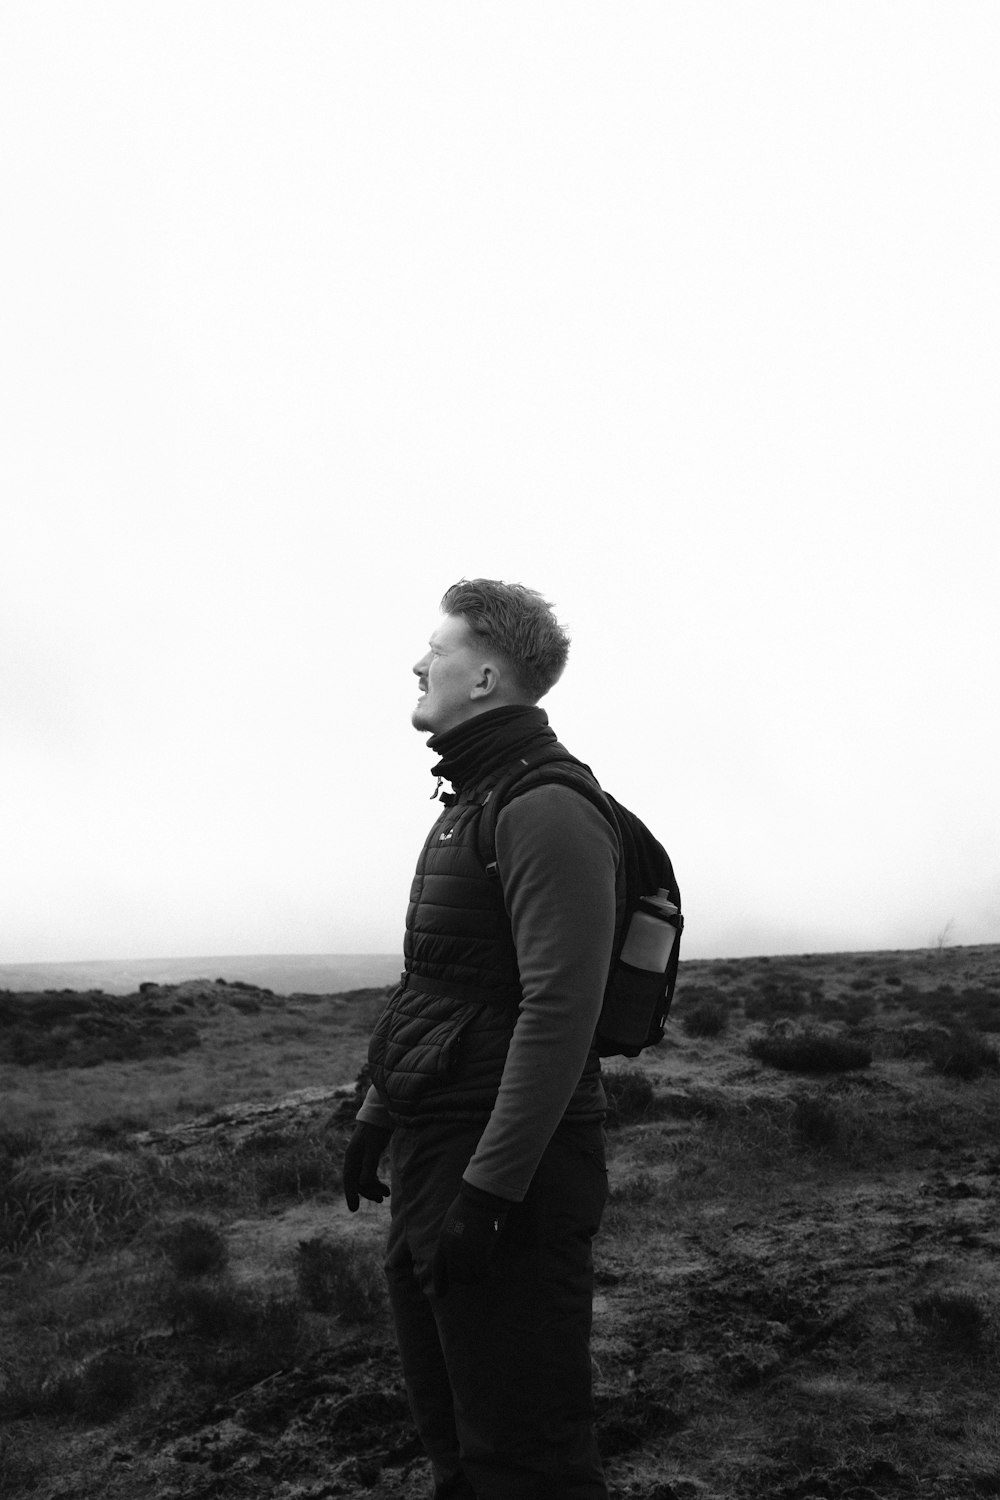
(518,624)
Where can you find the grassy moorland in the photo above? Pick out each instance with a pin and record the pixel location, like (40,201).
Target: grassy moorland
(798,1275)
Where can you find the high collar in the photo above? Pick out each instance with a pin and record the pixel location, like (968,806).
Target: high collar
(475,748)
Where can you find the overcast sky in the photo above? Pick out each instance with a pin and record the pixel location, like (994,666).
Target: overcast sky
(685,314)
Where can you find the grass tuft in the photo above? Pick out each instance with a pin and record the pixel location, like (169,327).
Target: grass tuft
(82,1202)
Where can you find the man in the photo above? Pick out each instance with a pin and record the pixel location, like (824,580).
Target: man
(486,1085)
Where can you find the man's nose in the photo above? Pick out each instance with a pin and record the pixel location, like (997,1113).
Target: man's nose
(421,666)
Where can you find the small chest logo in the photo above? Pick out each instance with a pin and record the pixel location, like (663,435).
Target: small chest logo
(444,837)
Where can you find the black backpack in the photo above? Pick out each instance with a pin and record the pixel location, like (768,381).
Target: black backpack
(636,1001)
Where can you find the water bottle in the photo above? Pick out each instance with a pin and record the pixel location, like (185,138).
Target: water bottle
(651,934)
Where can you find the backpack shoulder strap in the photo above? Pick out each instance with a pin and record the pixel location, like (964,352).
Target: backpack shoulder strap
(553,766)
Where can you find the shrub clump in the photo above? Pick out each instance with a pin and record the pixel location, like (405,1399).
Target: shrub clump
(851,1009)
(106,1386)
(194,1247)
(237,1334)
(955,1318)
(708,1017)
(69,1030)
(810,1051)
(17,1144)
(778,996)
(630,1096)
(340,1279)
(818,1122)
(963,1054)
(914,1040)
(629,1203)
(285,1164)
(981,1008)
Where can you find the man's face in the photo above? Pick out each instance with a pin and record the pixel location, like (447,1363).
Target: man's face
(448,673)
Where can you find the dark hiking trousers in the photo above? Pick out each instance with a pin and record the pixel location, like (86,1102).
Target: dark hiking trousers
(498,1374)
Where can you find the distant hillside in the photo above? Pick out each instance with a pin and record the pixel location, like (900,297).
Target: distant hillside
(284,973)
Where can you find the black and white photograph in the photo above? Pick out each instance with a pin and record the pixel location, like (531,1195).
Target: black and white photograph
(499,727)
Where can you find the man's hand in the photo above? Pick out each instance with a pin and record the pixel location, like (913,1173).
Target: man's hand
(468,1238)
(361,1159)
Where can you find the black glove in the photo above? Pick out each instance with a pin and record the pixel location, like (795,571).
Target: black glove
(469,1233)
(361,1159)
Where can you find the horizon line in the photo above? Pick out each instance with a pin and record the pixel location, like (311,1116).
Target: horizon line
(175,958)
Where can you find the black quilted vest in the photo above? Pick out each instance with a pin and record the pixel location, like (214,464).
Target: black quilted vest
(438,1050)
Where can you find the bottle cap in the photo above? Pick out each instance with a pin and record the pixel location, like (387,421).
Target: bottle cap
(663,901)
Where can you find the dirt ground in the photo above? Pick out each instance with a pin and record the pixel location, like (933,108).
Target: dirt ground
(798,1278)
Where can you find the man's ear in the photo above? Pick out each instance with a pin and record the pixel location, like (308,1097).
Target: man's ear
(487,682)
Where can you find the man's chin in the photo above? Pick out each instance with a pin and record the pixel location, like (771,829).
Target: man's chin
(419,720)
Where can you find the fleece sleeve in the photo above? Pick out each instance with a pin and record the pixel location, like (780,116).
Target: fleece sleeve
(557,856)
(373,1111)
